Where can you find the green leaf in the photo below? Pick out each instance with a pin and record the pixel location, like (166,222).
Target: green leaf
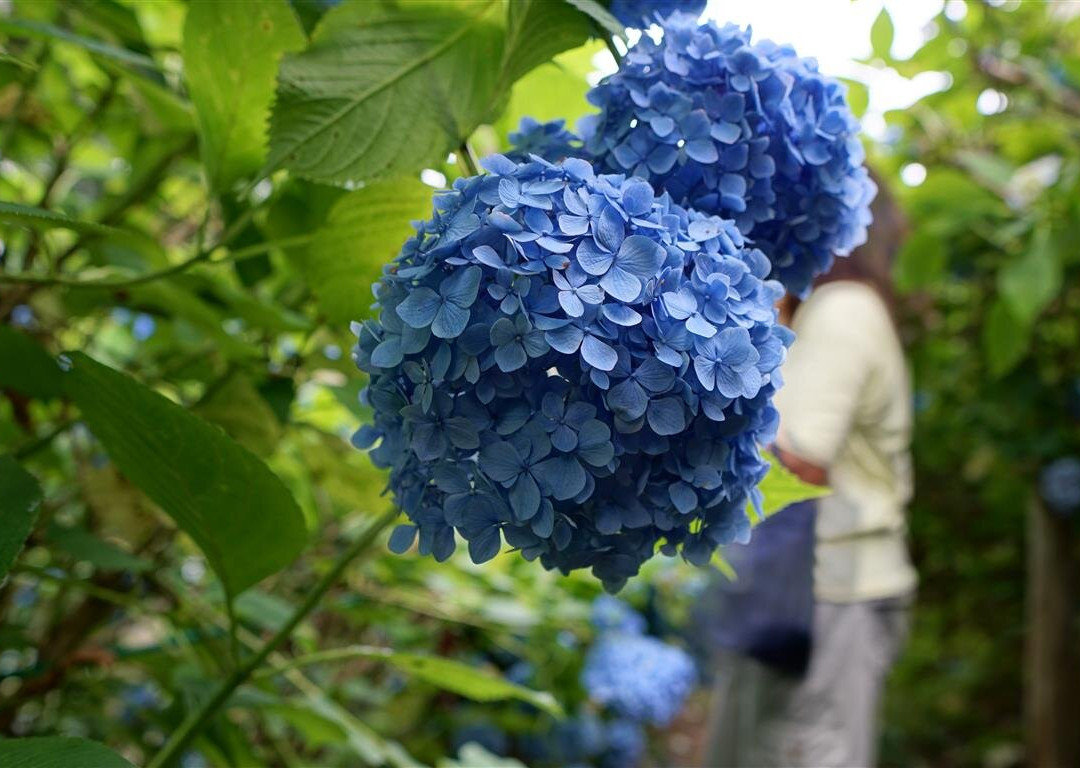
(921,262)
(386,88)
(39,218)
(858,96)
(1005,339)
(85,546)
(600,15)
(58,752)
(31,28)
(1029,283)
(364,230)
(555,90)
(230,503)
(27,367)
(536,31)
(20,496)
(881,35)
(464,680)
(783,488)
(231,54)
(467,681)
(237,407)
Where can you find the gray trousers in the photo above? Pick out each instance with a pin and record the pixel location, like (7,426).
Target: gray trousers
(827,719)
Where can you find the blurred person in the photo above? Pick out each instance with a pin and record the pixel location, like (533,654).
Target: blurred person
(802,680)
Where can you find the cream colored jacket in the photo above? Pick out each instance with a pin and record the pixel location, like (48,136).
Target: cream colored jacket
(846,406)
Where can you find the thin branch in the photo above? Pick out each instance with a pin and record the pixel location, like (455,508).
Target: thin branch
(181,266)
(191,726)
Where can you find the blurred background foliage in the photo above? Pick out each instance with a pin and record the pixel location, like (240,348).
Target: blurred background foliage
(114,169)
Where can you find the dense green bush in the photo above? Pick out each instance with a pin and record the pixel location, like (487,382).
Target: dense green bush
(991,314)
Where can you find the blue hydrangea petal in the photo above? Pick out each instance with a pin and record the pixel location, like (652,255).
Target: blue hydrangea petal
(598,354)
(420,307)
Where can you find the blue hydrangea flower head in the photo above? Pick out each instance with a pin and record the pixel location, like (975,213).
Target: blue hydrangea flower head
(550,140)
(639,677)
(567,362)
(642,13)
(609,614)
(743,130)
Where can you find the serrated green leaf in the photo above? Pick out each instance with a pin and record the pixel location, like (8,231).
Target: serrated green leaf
(58,752)
(231,55)
(552,91)
(536,31)
(601,15)
(1005,339)
(386,88)
(20,496)
(364,230)
(881,35)
(230,503)
(39,218)
(1029,283)
(27,367)
(782,488)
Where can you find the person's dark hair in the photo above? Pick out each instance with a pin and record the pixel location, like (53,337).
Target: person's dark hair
(872,262)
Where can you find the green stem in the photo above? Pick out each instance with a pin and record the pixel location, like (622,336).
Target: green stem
(468,159)
(614,50)
(182,266)
(191,726)
(330,654)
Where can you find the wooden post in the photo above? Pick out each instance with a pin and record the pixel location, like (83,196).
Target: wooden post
(1052,669)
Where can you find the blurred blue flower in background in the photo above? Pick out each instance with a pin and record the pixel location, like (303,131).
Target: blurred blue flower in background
(558,356)
(1059,485)
(639,677)
(612,614)
(745,131)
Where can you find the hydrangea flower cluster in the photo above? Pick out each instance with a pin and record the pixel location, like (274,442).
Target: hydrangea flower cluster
(642,13)
(639,677)
(567,361)
(745,131)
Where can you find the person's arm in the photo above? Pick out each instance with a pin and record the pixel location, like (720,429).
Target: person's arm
(824,374)
(807,471)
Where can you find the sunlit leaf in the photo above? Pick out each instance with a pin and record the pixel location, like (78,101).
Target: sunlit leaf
(364,230)
(386,88)
(881,35)
(231,54)
(782,488)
